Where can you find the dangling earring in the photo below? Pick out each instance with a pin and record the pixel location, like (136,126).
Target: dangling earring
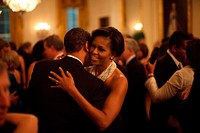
(111,58)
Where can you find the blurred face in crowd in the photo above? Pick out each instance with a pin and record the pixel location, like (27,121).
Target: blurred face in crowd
(180,52)
(4,95)
(48,51)
(100,51)
(126,54)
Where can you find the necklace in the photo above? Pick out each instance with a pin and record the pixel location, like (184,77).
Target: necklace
(106,73)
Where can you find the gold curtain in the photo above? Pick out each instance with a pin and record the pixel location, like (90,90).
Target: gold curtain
(62,5)
(16,27)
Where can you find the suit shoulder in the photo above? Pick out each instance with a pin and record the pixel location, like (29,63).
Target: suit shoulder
(46,63)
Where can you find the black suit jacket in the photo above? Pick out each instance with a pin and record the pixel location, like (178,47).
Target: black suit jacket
(191,109)
(134,105)
(159,112)
(164,69)
(56,109)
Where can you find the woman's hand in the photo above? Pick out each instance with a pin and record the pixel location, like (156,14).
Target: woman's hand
(149,69)
(184,94)
(65,82)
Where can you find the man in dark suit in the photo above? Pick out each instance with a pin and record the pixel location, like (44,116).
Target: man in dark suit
(56,110)
(166,65)
(134,103)
(53,47)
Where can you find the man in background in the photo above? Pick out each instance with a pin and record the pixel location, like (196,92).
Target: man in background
(53,47)
(166,65)
(134,104)
(12,122)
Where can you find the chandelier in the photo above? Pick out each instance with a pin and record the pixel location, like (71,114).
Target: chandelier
(21,5)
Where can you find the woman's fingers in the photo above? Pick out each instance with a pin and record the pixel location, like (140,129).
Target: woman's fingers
(53,79)
(69,74)
(62,72)
(55,75)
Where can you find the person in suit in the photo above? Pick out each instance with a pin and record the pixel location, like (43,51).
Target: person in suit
(134,104)
(191,108)
(106,43)
(56,110)
(53,47)
(12,122)
(166,65)
(38,55)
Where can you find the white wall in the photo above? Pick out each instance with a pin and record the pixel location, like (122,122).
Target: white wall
(44,12)
(132,15)
(150,22)
(196,18)
(145,11)
(104,8)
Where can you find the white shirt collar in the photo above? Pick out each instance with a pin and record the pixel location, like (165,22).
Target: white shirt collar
(58,55)
(174,59)
(130,58)
(75,58)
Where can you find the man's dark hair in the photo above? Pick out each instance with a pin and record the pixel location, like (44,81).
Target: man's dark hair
(38,50)
(193,52)
(55,41)
(178,38)
(75,39)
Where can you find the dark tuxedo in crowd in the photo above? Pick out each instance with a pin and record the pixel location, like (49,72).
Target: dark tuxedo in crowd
(133,109)
(56,109)
(159,112)
(164,69)
(190,114)
(135,99)
(191,109)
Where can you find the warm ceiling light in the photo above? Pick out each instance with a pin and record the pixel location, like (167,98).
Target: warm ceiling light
(138,26)
(42,26)
(42,29)
(21,5)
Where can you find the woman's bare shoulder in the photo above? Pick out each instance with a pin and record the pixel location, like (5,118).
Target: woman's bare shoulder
(118,76)
(24,122)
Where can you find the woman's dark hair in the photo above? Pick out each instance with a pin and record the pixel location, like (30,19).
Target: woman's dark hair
(38,50)
(193,52)
(116,38)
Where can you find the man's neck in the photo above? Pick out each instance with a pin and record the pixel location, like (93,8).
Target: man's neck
(59,55)
(176,61)
(130,58)
(78,56)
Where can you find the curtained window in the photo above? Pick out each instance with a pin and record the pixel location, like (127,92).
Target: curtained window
(5,23)
(80,14)
(11,24)
(72,17)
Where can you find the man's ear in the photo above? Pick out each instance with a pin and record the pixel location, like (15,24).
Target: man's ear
(87,46)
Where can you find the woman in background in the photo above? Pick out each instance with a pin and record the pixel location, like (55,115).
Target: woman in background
(12,122)
(38,54)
